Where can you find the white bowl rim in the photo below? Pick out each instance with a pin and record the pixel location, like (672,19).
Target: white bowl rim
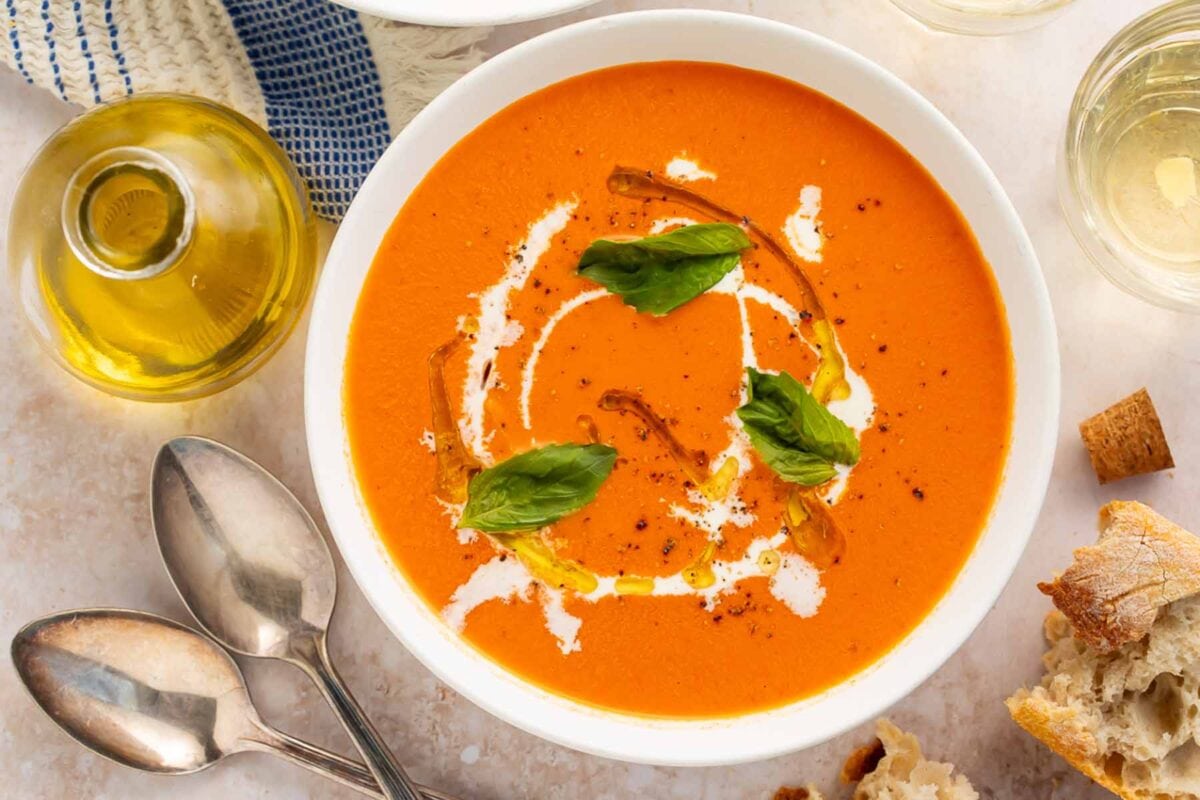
(976,588)
(464,13)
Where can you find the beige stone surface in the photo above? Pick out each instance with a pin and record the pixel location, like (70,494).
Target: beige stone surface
(74,528)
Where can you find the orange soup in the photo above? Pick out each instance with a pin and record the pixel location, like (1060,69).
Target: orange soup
(589,486)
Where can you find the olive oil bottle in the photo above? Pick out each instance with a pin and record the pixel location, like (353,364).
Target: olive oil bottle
(162,247)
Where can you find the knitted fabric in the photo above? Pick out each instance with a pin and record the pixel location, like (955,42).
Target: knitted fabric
(330,85)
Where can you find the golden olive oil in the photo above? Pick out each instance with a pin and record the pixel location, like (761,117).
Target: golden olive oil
(162,246)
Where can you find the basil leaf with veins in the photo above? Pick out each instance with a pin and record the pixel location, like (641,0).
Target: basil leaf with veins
(657,274)
(795,435)
(537,487)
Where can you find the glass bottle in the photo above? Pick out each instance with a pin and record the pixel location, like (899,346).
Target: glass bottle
(161,246)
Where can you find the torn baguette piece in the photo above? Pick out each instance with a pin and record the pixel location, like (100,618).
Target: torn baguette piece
(1126,439)
(1114,589)
(1129,719)
(1120,700)
(893,768)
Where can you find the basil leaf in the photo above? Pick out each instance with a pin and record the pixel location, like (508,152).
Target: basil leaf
(658,274)
(794,466)
(536,488)
(795,435)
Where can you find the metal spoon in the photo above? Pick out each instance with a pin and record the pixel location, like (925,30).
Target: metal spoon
(250,563)
(154,695)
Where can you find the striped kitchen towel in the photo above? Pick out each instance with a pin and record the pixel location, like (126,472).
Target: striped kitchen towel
(332,86)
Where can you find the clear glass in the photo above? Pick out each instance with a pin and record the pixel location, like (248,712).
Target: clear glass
(983,17)
(161,247)
(1127,172)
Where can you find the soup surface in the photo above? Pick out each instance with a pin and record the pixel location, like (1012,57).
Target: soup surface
(698,601)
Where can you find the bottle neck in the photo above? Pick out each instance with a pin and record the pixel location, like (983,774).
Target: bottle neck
(128,214)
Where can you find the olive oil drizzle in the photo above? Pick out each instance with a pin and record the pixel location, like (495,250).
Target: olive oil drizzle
(546,565)
(690,461)
(812,528)
(699,574)
(636,585)
(455,464)
(588,426)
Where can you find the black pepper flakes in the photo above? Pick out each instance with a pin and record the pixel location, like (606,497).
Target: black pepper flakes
(917,493)
(641,524)
(883,348)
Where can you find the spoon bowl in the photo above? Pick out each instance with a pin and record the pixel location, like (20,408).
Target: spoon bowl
(228,534)
(138,689)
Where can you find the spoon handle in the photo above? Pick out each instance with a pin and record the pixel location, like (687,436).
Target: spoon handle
(393,781)
(327,764)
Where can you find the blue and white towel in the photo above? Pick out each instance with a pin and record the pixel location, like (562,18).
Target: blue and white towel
(330,85)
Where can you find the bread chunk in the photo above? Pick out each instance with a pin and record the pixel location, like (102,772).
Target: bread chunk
(892,768)
(1126,439)
(1128,719)
(904,774)
(1120,700)
(1114,589)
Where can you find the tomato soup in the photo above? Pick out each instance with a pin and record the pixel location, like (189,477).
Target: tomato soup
(701,580)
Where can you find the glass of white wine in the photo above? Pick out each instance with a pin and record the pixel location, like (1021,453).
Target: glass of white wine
(1127,173)
(983,17)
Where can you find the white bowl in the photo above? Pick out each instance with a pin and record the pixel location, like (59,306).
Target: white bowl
(463,13)
(870,91)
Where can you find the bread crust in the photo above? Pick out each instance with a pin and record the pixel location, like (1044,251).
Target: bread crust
(1114,589)
(862,761)
(1060,729)
(793,793)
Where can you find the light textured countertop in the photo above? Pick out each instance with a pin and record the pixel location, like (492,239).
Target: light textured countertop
(74,466)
